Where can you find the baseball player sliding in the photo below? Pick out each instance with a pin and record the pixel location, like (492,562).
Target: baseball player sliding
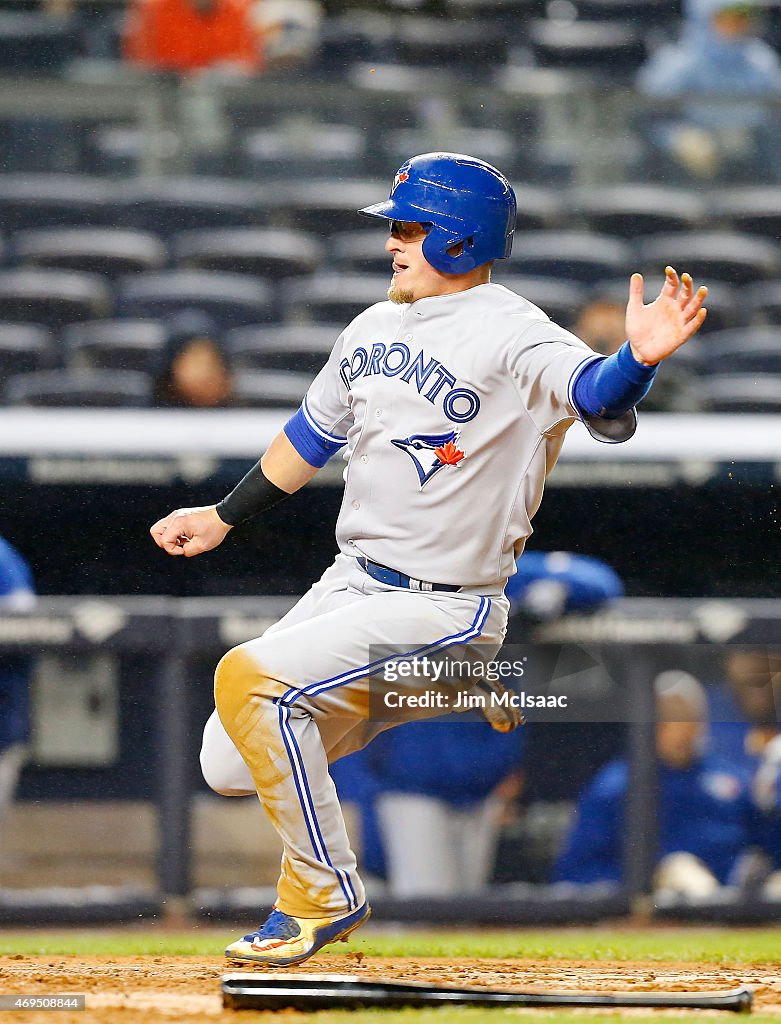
(449,402)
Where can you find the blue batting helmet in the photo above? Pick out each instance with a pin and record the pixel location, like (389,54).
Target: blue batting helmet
(463,199)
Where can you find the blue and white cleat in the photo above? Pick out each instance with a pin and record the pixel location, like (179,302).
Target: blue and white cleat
(284,940)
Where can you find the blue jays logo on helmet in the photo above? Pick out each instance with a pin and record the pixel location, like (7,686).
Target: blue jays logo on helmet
(420,448)
(402,175)
(469,205)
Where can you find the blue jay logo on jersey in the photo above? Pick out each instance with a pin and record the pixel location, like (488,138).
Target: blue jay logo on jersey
(421,447)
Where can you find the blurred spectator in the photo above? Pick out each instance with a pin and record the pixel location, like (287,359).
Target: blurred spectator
(194,369)
(601,324)
(745,728)
(189,36)
(706,817)
(290,30)
(719,54)
(744,713)
(16,594)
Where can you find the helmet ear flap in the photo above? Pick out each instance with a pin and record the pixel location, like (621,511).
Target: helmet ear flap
(437,248)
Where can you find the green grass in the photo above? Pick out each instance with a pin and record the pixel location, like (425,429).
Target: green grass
(710,945)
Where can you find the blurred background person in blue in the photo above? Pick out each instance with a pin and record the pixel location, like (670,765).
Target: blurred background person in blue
(744,708)
(718,55)
(17,593)
(549,583)
(745,728)
(706,816)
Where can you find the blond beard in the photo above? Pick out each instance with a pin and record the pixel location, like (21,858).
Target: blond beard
(399,296)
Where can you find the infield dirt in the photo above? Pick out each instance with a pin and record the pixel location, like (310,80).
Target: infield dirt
(186,989)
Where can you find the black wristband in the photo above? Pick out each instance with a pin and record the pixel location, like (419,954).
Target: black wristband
(251,495)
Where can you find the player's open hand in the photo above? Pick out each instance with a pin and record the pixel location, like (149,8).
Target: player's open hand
(655,331)
(190,531)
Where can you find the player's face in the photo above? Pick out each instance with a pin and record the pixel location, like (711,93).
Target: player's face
(755,678)
(678,732)
(413,276)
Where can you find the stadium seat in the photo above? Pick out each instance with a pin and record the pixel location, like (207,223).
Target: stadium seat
(231,299)
(756,211)
(334,298)
(96,388)
(632,210)
(120,151)
(472,46)
(270,253)
(301,349)
(576,256)
(52,297)
(24,348)
(408,85)
(608,48)
(34,41)
(497,147)
(764,302)
(303,149)
(271,389)
(639,12)
(711,256)
(114,344)
(54,200)
(510,12)
(361,35)
(167,206)
(361,252)
(109,251)
(561,300)
(538,208)
(749,350)
(740,392)
(322,207)
(114,150)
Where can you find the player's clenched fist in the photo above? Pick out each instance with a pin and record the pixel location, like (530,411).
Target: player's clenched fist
(190,531)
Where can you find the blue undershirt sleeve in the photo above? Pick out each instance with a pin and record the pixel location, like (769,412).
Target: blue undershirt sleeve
(313,444)
(610,387)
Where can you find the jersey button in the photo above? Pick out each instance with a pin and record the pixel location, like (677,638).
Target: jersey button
(364,458)
(356,505)
(378,413)
(408,337)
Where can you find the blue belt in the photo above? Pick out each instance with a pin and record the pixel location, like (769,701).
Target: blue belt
(399,579)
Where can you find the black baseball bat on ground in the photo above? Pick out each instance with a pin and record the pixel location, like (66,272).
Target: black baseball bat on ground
(310,992)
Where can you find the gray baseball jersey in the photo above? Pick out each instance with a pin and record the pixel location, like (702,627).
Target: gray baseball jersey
(453,410)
